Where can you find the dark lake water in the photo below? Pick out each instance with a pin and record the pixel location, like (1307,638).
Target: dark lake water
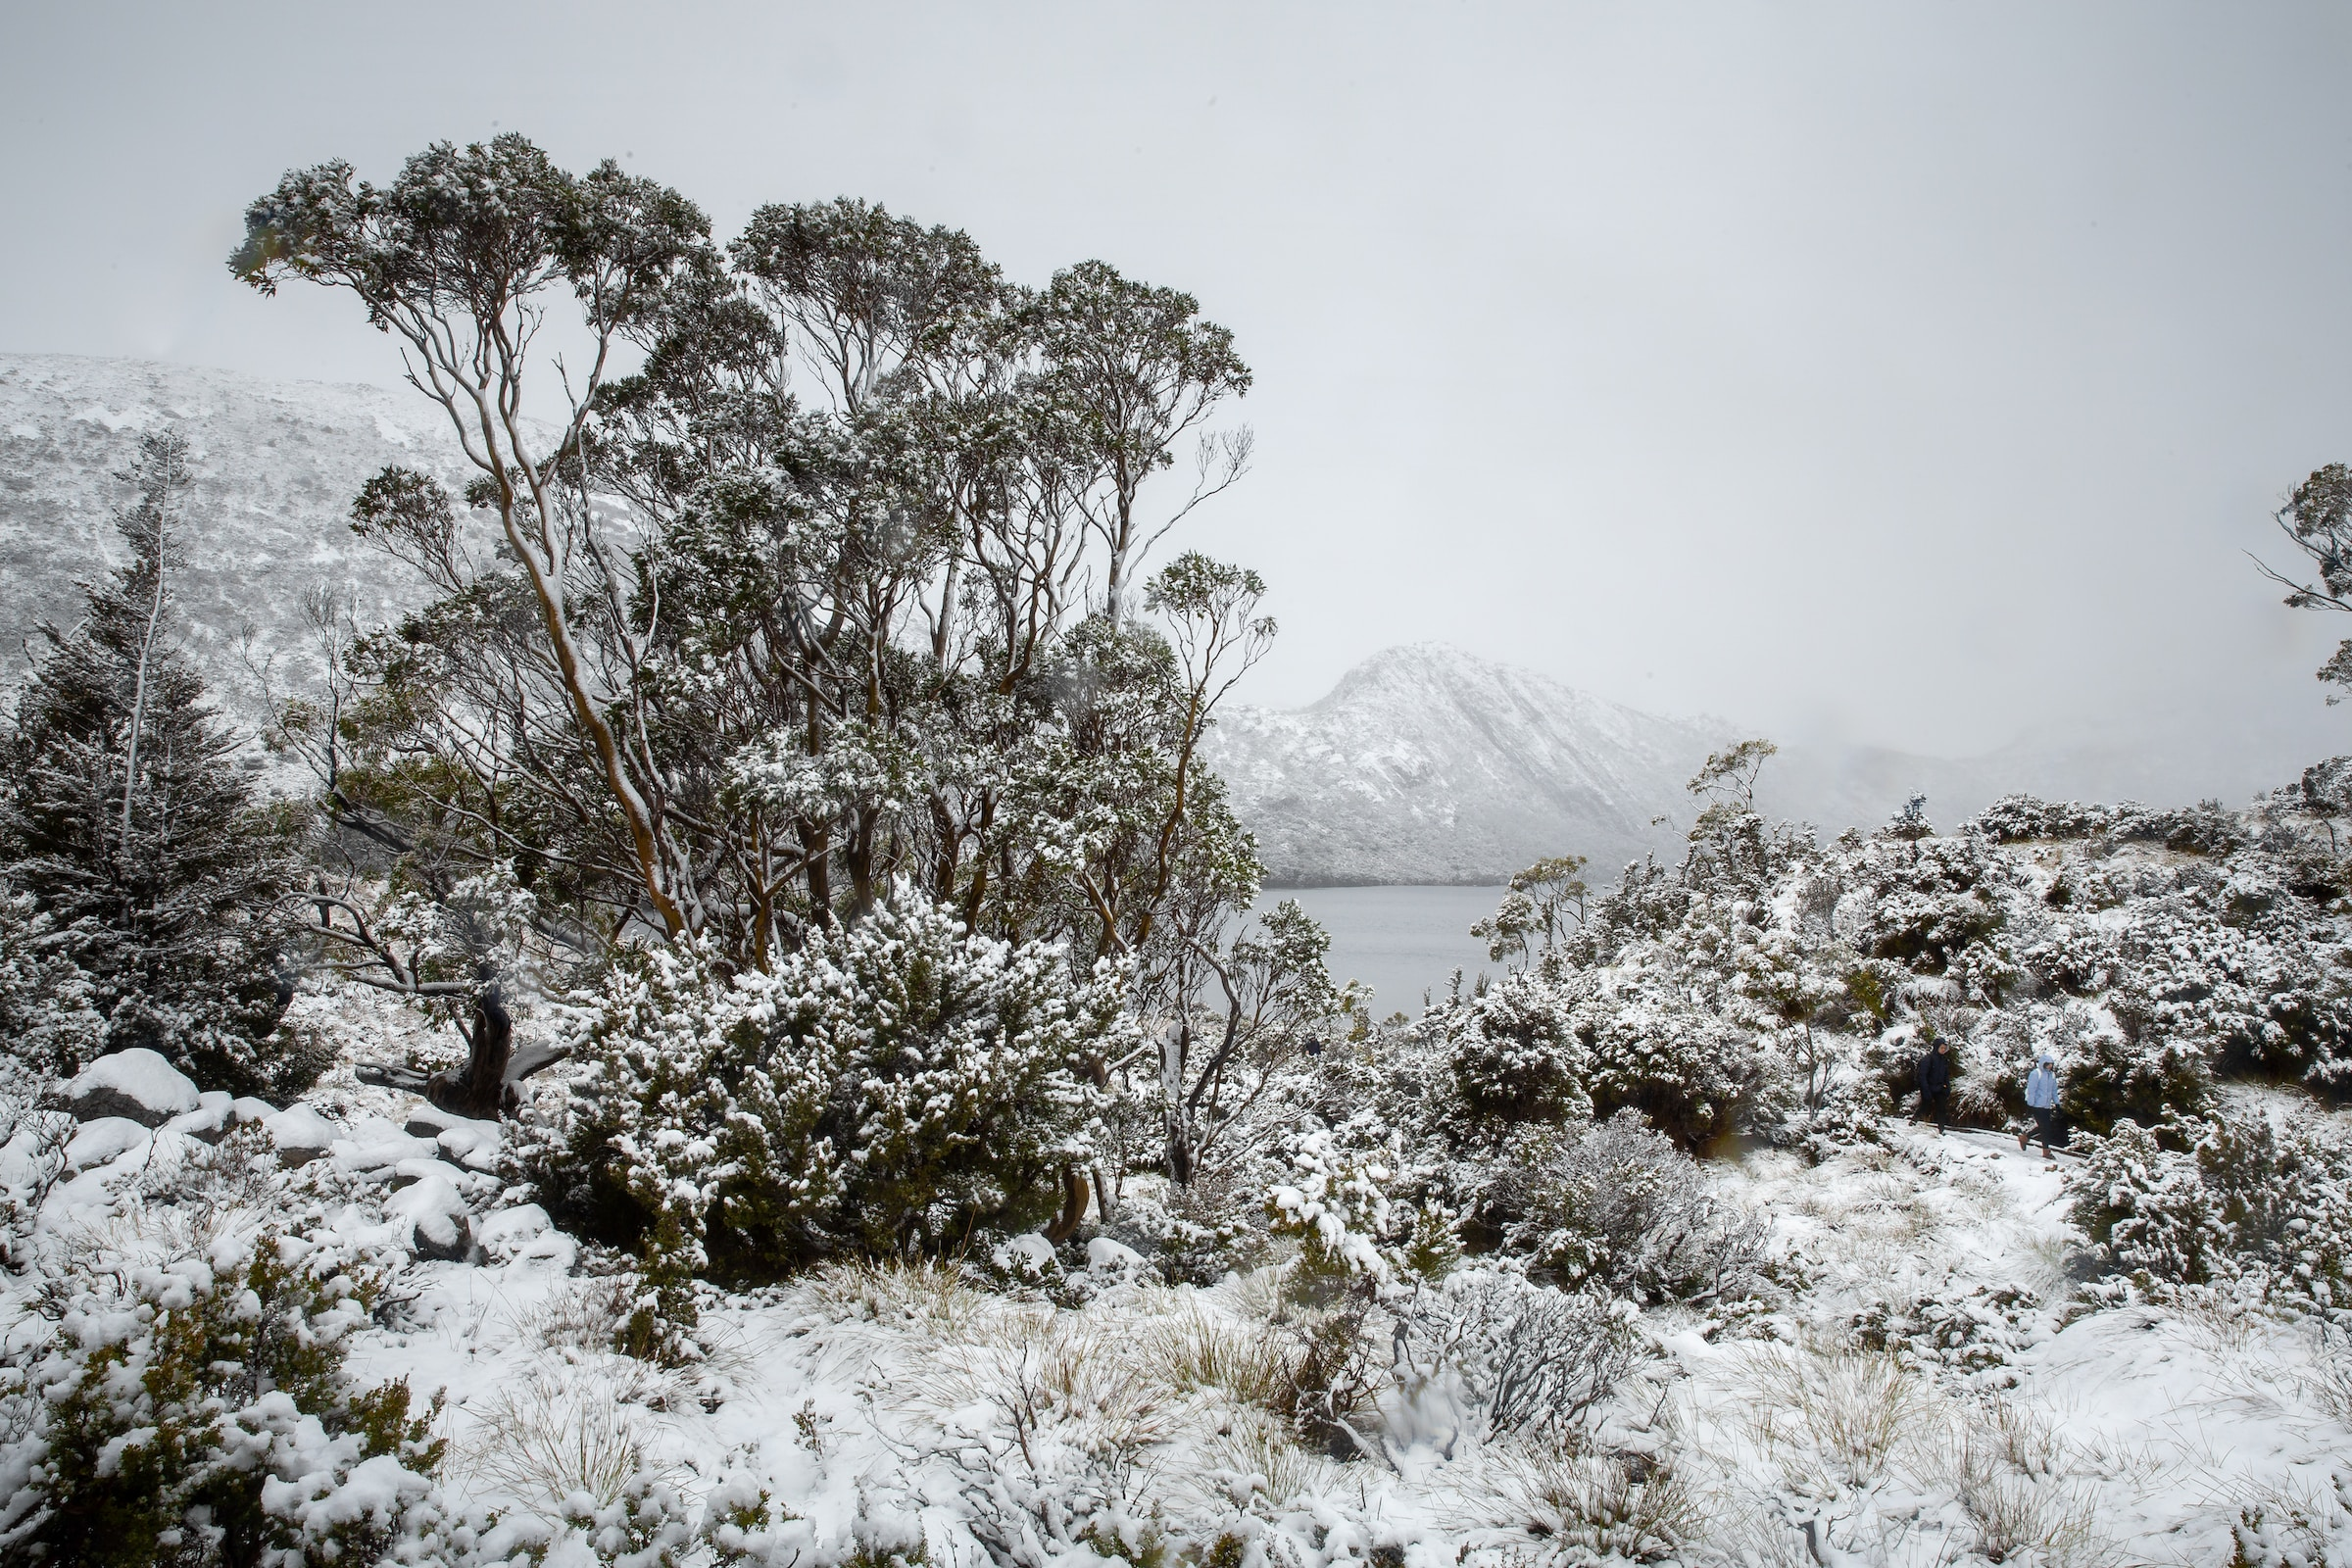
(1401,941)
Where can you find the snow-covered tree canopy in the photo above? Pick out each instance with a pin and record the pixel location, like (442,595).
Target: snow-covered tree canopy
(845,580)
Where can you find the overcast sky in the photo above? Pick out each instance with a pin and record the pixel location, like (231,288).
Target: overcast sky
(1912,374)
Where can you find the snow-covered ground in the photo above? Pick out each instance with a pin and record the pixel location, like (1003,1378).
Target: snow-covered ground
(1928,1381)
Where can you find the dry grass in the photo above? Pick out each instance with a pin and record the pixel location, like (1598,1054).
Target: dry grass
(1833,1416)
(1610,1505)
(563,1430)
(2328,1384)
(1192,1352)
(919,1295)
(1258,1452)
(1055,1383)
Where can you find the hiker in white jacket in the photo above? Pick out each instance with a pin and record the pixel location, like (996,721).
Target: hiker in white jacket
(2041,1099)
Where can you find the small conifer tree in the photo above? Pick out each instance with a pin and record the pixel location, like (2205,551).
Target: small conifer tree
(125,818)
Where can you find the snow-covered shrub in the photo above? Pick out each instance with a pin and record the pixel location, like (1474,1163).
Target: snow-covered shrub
(2235,1201)
(1517,1357)
(1515,1052)
(2108,1076)
(1853,1114)
(1656,1050)
(50,1025)
(1617,1206)
(33,1156)
(1337,1205)
(204,1416)
(897,1084)
(2206,828)
(1927,901)
(2309,1527)
(1973,1333)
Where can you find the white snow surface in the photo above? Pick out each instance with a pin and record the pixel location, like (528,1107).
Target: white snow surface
(864,1398)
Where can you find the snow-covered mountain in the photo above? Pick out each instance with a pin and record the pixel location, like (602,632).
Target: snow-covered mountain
(278,464)
(1427,764)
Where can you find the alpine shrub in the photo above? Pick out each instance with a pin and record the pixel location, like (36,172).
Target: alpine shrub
(1655,1050)
(897,1084)
(2234,1200)
(1515,1052)
(1615,1205)
(206,1417)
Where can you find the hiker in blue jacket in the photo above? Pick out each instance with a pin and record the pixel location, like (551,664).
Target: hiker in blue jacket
(2041,1099)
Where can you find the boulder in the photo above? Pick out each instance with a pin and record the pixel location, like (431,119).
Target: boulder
(474,1145)
(520,1232)
(472,1185)
(245,1109)
(136,1083)
(1106,1256)
(430,1122)
(209,1121)
(440,1226)
(372,1145)
(103,1139)
(301,1135)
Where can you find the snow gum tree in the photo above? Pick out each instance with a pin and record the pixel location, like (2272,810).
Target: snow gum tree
(828,576)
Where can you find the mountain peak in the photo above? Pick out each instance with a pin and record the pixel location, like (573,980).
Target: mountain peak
(1429,764)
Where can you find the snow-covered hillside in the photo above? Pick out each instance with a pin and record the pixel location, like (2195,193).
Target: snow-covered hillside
(1923,1383)
(1427,764)
(278,464)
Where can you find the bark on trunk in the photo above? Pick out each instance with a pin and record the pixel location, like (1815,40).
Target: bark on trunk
(1073,1206)
(480,1090)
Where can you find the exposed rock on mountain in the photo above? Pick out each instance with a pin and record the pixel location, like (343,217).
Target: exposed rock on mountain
(1427,764)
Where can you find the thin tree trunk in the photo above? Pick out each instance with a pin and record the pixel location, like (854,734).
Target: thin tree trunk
(139,689)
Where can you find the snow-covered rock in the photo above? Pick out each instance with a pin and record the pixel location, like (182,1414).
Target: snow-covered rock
(524,1234)
(440,1223)
(247,1107)
(104,1138)
(373,1145)
(475,1145)
(1104,1255)
(301,1134)
(211,1120)
(138,1083)
(472,1185)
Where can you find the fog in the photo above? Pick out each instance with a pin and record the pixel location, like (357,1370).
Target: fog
(1903,376)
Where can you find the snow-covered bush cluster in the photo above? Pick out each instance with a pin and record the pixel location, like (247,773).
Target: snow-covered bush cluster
(894,1086)
(2231,1200)
(2155,953)
(198,1409)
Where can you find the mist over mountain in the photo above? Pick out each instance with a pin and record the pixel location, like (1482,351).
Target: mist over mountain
(1424,763)
(276,465)
(1427,764)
